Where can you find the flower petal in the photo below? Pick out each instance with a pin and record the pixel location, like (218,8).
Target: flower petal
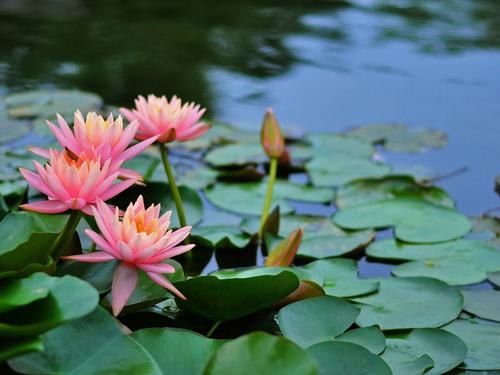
(46,207)
(95,257)
(124,283)
(160,280)
(157,268)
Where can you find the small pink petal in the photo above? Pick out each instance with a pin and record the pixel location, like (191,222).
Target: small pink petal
(95,257)
(44,153)
(160,280)
(157,268)
(46,207)
(124,283)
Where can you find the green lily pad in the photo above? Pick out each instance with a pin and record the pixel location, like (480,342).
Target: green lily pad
(415,140)
(482,303)
(459,262)
(494,278)
(341,277)
(198,178)
(92,345)
(16,347)
(261,353)
(228,299)
(327,144)
(160,193)
(69,298)
(248,153)
(327,246)
(370,338)
(43,103)
(409,302)
(396,186)
(315,320)
(145,165)
(375,134)
(446,350)
(338,357)
(482,339)
(10,130)
(99,275)
(21,292)
(221,236)
(337,171)
(248,198)
(414,220)
(192,350)
(220,133)
(407,364)
(26,240)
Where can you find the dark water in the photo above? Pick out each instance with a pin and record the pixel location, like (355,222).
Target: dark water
(322,65)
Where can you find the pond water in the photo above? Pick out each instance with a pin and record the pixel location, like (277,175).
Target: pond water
(322,65)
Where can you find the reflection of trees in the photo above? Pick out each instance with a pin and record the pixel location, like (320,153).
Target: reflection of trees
(443,25)
(119,48)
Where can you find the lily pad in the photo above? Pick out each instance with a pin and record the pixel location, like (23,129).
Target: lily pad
(482,339)
(370,338)
(341,277)
(228,299)
(68,298)
(446,350)
(261,353)
(409,302)
(327,246)
(336,171)
(376,133)
(407,364)
(43,103)
(92,345)
(220,133)
(315,320)
(248,153)
(328,145)
(338,357)
(482,303)
(459,262)
(192,350)
(26,240)
(494,278)
(415,140)
(396,186)
(16,347)
(221,236)
(248,198)
(414,220)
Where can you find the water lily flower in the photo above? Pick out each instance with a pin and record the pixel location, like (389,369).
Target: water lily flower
(170,120)
(141,240)
(73,183)
(98,138)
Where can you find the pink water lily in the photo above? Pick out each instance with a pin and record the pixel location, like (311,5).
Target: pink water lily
(170,120)
(99,138)
(140,240)
(73,183)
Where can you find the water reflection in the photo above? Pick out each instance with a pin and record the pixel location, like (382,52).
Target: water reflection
(118,48)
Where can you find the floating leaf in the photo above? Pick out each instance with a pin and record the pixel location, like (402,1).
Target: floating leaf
(414,220)
(370,338)
(262,353)
(10,130)
(341,277)
(338,357)
(375,134)
(482,303)
(92,345)
(446,350)
(459,262)
(328,171)
(44,103)
(248,198)
(99,275)
(482,339)
(404,363)
(326,145)
(228,299)
(192,350)
(68,298)
(248,153)
(221,236)
(409,302)
(494,278)
(327,246)
(16,347)
(160,193)
(220,134)
(377,189)
(415,140)
(26,241)
(315,320)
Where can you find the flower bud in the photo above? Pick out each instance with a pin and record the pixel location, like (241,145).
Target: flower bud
(284,253)
(271,137)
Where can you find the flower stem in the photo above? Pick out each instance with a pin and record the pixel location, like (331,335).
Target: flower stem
(66,236)
(269,194)
(213,328)
(173,187)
